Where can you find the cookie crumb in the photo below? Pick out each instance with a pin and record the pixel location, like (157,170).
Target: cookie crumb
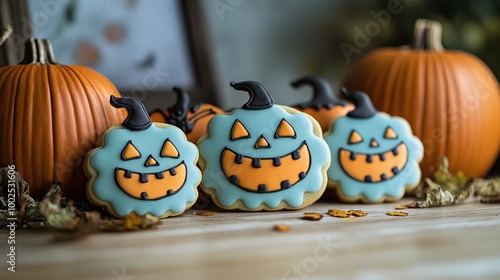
(204,213)
(312,216)
(282,228)
(401,207)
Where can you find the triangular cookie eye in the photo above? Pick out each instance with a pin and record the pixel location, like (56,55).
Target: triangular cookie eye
(238,131)
(355,138)
(130,152)
(169,150)
(285,130)
(390,133)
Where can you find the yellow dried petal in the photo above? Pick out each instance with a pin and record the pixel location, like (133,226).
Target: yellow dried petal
(339,213)
(132,221)
(135,222)
(358,213)
(397,213)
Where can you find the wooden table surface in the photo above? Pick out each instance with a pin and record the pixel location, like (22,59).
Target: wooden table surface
(458,242)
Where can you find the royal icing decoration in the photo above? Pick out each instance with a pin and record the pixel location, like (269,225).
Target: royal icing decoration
(263,156)
(142,167)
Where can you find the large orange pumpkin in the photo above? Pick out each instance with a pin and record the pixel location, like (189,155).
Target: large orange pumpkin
(50,116)
(450,98)
(191,118)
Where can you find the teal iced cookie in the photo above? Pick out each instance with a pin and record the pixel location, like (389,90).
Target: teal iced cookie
(142,167)
(375,157)
(263,156)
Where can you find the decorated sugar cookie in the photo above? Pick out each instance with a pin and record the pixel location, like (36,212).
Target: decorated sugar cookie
(142,167)
(324,106)
(374,156)
(191,118)
(263,156)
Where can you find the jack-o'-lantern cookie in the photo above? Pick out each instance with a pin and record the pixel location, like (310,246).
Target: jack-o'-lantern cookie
(263,156)
(325,106)
(142,167)
(375,157)
(191,118)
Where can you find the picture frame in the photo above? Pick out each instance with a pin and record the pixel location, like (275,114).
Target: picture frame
(16,15)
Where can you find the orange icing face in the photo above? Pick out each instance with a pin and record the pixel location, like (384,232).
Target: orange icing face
(267,174)
(373,167)
(154,185)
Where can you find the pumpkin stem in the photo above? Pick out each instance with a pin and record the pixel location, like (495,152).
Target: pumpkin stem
(259,97)
(38,51)
(138,118)
(427,35)
(364,107)
(323,95)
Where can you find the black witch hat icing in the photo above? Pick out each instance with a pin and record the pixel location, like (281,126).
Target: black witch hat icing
(364,107)
(323,95)
(138,118)
(259,97)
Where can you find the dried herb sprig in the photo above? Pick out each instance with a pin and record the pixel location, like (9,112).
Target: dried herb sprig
(444,189)
(488,189)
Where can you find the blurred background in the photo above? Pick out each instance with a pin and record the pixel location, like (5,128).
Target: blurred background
(146,47)
(269,41)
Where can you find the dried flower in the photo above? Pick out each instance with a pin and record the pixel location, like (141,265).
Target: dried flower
(358,213)
(339,213)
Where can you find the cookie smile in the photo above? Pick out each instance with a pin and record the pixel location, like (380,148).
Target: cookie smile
(265,175)
(373,168)
(151,186)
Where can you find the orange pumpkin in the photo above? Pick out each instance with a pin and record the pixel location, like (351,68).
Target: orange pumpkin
(191,118)
(324,106)
(51,116)
(450,98)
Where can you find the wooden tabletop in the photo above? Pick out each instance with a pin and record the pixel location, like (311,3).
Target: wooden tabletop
(457,242)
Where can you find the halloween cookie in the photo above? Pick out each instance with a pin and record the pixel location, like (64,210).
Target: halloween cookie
(374,156)
(324,106)
(142,167)
(191,118)
(263,156)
